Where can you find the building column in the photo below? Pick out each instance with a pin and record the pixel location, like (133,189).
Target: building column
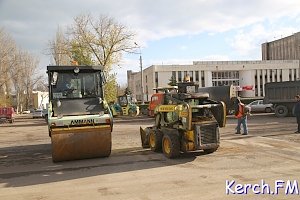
(285,75)
(247,79)
(200,78)
(293,74)
(208,78)
(263,81)
(258,82)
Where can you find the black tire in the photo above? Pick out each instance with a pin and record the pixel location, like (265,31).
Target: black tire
(268,110)
(281,111)
(132,113)
(155,139)
(157,120)
(171,145)
(208,151)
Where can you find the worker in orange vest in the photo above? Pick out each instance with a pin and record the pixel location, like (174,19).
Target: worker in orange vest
(241,114)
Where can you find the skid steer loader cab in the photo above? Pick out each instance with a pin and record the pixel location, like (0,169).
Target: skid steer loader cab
(185,122)
(79,119)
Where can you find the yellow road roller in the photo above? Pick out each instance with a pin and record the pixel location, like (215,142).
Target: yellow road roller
(79,119)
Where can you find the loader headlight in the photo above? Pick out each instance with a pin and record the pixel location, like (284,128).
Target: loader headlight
(59,116)
(76,70)
(101,113)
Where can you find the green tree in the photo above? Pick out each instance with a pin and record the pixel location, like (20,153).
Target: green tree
(110,92)
(127,91)
(173,81)
(101,41)
(81,55)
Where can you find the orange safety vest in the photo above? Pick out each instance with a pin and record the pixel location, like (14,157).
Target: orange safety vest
(241,111)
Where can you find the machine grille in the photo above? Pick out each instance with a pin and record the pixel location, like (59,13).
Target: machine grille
(207,134)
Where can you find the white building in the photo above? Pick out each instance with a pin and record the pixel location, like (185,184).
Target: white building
(40,99)
(213,73)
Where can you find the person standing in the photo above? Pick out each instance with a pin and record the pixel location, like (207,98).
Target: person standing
(241,115)
(297,112)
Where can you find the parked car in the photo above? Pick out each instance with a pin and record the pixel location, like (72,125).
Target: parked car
(37,113)
(259,106)
(26,112)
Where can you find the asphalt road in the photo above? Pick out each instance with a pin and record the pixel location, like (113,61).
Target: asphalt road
(270,152)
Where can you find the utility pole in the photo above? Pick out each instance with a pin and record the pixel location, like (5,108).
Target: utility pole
(142,85)
(141,66)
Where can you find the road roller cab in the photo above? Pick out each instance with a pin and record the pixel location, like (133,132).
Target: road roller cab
(125,106)
(185,122)
(79,119)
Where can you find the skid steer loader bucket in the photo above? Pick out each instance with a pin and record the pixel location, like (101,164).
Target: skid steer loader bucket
(145,136)
(80,143)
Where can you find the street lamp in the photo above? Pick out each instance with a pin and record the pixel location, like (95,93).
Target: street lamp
(141,66)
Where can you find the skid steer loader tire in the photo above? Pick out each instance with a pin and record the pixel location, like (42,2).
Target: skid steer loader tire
(171,145)
(155,139)
(208,151)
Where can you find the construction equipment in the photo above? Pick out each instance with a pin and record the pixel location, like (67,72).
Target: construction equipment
(186,121)
(125,106)
(282,96)
(227,94)
(157,97)
(79,119)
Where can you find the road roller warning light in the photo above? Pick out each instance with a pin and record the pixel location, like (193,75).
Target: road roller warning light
(79,119)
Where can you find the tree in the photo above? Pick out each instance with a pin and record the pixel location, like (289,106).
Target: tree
(17,72)
(127,91)
(173,81)
(60,49)
(7,61)
(80,55)
(102,41)
(24,78)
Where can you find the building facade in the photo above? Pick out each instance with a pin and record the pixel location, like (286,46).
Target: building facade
(287,48)
(251,74)
(40,100)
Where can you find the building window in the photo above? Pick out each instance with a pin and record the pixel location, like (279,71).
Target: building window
(184,74)
(146,78)
(256,83)
(174,75)
(156,79)
(191,73)
(202,79)
(221,78)
(147,92)
(179,77)
(271,78)
(197,75)
(266,76)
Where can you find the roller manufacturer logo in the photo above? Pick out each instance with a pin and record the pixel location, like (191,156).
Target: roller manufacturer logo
(82,121)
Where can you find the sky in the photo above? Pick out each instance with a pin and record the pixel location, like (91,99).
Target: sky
(168,31)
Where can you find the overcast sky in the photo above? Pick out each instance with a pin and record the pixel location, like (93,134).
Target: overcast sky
(169,31)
